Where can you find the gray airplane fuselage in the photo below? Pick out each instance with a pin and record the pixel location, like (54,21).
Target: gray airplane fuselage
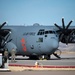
(33,40)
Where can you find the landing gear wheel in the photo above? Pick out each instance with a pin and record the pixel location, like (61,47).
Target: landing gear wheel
(44,57)
(33,57)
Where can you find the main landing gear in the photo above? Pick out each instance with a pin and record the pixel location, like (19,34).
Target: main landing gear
(57,54)
(41,57)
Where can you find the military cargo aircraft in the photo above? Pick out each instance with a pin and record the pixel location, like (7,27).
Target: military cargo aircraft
(36,41)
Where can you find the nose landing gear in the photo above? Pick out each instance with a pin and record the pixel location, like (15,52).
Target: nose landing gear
(44,57)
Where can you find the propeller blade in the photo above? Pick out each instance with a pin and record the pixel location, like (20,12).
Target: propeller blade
(9,41)
(7,36)
(68,37)
(69,24)
(2,37)
(63,25)
(61,36)
(2,25)
(58,26)
(56,55)
(67,40)
(6,42)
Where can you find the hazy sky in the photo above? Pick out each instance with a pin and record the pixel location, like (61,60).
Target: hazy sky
(45,12)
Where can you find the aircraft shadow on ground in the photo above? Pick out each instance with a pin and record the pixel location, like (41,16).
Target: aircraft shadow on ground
(64,58)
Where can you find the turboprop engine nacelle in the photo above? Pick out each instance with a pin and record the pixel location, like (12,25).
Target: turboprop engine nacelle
(10,46)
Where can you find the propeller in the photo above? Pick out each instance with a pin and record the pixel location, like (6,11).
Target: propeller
(64,31)
(2,25)
(4,39)
(1,37)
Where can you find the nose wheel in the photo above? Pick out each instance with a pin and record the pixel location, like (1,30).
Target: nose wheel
(44,57)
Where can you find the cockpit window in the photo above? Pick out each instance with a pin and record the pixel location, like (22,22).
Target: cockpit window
(42,32)
(46,32)
(50,32)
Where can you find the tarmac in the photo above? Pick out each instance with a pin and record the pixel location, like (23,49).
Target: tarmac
(66,63)
(39,73)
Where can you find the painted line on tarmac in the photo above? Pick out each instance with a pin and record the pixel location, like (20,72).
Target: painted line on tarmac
(49,66)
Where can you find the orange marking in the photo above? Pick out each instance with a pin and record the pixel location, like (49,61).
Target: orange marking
(24,48)
(23,40)
(23,44)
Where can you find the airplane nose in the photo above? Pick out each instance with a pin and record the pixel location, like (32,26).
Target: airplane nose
(55,44)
